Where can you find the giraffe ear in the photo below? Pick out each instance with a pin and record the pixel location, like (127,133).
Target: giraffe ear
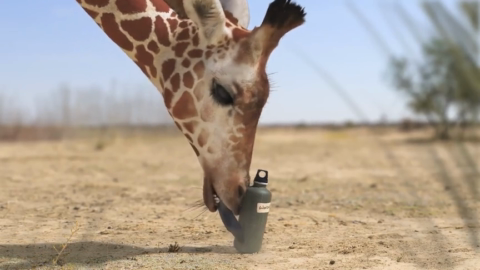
(282,16)
(239,10)
(209,17)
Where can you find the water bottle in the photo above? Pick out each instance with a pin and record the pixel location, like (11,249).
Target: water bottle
(253,215)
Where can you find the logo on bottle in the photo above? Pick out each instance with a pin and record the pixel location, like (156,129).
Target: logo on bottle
(263,207)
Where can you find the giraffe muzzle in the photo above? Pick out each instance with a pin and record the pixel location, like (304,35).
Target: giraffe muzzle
(210,197)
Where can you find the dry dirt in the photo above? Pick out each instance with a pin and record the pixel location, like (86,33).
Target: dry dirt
(341,200)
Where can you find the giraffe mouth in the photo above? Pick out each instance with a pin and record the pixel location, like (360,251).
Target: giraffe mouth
(213,202)
(210,197)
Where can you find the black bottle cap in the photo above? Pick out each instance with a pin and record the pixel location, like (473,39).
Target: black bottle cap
(261,178)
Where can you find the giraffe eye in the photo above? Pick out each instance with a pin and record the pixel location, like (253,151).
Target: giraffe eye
(221,95)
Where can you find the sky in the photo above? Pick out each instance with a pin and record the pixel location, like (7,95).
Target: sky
(51,42)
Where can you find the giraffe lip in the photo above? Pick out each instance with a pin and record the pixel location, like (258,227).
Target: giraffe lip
(210,196)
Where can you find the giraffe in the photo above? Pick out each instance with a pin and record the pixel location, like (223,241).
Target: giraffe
(210,70)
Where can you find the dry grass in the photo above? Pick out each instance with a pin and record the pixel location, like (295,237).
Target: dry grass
(74,230)
(174,248)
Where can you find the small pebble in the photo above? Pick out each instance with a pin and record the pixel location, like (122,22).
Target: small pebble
(332,262)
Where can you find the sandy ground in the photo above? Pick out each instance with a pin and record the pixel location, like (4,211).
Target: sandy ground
(341,200)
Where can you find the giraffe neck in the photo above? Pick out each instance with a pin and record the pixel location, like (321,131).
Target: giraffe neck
(151,34)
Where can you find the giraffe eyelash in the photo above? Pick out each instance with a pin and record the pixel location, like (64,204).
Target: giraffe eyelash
(220,94)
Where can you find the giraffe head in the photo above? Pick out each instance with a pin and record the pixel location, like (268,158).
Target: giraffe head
(219,109)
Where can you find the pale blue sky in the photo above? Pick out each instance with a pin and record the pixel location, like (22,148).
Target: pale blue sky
(48,42)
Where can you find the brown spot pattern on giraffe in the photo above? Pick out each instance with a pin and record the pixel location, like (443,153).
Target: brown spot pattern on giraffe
(190,126)
(160,5)
(97,3)
(142,67)
(195,53)
(188,80)
(203,137)
(91,13)
(152,46)
(167,68)
(184,108)
(184,34)
(180,48)
(161,31)
(143,56)
(208,54)
(175,81)
(177,6)
(130,7)
(167,97)
(139,29)
(153,71)
(112,30)
(173,24)
(199,69)
(195,40)
(186,63)
(145,59)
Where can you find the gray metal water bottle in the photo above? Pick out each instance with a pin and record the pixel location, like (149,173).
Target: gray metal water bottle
(253,214)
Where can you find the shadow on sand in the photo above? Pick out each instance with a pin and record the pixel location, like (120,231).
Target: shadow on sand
(87,253)
(431,140)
